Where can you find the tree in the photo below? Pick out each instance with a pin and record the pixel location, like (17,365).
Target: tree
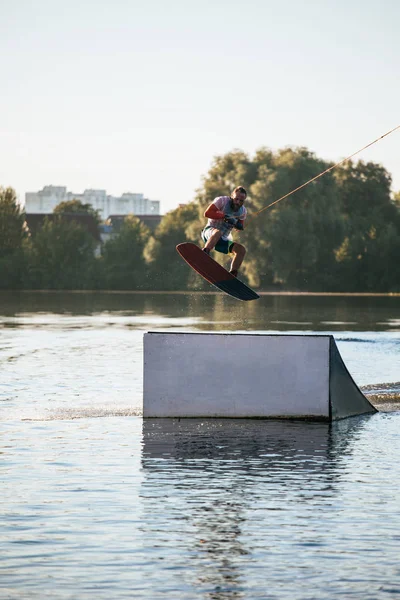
(167,271)
(122,260)
(364,187)
(292,243)
(304,229)
(227,172)
(369,255)
(13,235)
(78,208)
(62,256)
(340,232)
(12,219)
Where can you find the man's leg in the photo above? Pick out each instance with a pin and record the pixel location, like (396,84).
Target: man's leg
(212,240)
(238,252)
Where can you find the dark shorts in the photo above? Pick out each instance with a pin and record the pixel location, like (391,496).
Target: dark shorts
(224,246)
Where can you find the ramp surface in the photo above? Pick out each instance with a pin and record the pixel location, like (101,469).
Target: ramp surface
(247,376)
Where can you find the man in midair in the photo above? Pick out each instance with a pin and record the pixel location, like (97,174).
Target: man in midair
(224,214)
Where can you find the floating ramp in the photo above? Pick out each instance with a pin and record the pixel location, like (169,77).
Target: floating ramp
(248,376)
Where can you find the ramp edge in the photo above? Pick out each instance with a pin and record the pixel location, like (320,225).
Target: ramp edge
(345,397)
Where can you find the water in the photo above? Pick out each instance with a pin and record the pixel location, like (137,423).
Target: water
(97,503)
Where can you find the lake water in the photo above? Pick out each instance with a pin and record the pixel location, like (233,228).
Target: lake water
(97,503)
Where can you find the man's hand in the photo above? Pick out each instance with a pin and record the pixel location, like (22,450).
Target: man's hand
(230,220)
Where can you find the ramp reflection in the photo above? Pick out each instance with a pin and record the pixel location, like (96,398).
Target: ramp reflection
(216,490)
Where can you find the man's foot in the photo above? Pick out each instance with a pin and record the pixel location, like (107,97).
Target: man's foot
(207,251)
(234,272)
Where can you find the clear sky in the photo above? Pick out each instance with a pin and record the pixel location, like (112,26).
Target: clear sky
(140,96)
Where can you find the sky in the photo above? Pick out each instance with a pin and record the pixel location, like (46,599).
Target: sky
(136,96)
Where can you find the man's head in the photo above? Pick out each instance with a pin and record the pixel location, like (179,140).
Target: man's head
(238,197)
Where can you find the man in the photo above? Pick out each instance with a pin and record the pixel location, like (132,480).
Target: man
(224,214)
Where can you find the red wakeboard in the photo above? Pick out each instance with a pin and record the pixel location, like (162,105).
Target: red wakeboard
(212,271)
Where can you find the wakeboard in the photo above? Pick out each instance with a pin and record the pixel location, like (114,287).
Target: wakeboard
(214,273)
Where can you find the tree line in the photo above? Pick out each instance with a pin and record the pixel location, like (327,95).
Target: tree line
(340,233)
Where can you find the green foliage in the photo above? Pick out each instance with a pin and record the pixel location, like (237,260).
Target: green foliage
(364,187)
(303,230)
(12,237)
(78,208)
(339,233)
(369,258)
(227,172)
(123,265)
(62,256)
(369,254)
(166,269)
(12,219)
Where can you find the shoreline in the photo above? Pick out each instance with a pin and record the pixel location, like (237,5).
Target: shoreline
(207,293)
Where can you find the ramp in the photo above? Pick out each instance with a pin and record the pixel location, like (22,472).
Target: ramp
(248,376)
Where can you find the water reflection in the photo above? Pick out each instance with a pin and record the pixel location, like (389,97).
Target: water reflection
(219,472)
(269,442)
(215,311)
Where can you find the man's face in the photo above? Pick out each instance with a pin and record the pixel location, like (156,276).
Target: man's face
(237,200)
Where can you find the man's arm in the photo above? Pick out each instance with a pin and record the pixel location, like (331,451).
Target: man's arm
(212,212)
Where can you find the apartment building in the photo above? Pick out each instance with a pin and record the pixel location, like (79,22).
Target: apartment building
(45,200)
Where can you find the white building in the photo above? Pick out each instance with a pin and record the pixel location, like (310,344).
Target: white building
(47,199)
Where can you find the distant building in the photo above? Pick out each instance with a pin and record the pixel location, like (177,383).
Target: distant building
(45,201)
